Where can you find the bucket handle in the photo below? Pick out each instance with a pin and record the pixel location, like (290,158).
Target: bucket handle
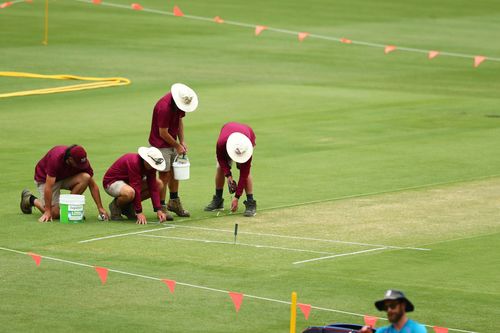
(183,158)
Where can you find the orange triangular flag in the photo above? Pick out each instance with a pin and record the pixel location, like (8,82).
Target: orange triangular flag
(170,284)
(237,299)
(370,321)
(6,4)
(36,257)
(433,54)
(103,273)
(217,19)
(302,36)
(438,329)
(478,60)
(259,29)
(305,308)
(345,41)
(136,6)
(389,48)
(96,2)
(28,0)
(178,11)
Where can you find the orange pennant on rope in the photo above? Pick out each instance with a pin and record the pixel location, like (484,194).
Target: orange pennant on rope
(170,284)
(96,2)
(305,308)
(237,299)
(345,41)
(178,11)
(6,4)
(103,273)
(302,36)
(478,60)
(370,321)
(37,258)
(259,29)
(136,6)
(433,54)
(217,19)
(438,329)
(389,49)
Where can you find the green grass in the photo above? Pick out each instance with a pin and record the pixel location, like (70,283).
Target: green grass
(394,149)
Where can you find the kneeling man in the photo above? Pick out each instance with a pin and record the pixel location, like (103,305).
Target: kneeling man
(132,179)
(65,168)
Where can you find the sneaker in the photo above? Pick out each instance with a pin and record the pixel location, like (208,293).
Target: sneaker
(216,204)
(25,202)
(174,205)
(116,212)
(250,208)
(129,212)
(164,209)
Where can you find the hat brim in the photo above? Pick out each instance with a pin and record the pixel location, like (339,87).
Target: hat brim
(144,153)
(240,138)
(175,89)
(380,305)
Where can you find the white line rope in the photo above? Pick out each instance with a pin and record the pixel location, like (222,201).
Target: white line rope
(237,244)
(125,234)
(291,32)
(340,255)
(208,288)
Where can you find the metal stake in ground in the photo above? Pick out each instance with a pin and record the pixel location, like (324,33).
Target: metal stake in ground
(235,232)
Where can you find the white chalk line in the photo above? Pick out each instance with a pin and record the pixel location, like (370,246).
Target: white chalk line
(237,244)
(303,238)
(291,32)
(206,288)
(339,255)
(125,234)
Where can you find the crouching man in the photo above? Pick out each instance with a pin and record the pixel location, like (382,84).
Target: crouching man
(65,168)
(132,179)
(235,143)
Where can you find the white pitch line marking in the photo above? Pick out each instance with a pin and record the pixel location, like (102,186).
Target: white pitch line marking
(339,255)
(208,288)
(126,234)
(305,238)
(241,244)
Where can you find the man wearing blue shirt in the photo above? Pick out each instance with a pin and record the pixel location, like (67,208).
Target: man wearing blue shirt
(397,305)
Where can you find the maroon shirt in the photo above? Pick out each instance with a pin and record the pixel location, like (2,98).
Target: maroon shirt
(54,165)
(130,169)
(165,115)
(224,159)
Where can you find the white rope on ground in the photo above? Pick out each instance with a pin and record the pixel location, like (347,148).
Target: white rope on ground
(291,32)
(207,288)
(239,244)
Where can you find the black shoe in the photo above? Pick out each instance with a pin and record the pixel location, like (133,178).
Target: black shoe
(250,208)
(129,212)
(216,204)
(25,202)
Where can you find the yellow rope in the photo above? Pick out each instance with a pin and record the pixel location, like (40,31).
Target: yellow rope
(100,83)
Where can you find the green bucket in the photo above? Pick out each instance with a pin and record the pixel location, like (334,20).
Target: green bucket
(71,208)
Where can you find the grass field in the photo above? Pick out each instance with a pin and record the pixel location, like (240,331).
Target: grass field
(387,164)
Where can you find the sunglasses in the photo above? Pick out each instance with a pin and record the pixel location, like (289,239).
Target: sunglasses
(391,306)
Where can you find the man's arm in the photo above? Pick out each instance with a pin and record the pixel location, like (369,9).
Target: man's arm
(181,135)
(47,195)
(171,141)
(94,190)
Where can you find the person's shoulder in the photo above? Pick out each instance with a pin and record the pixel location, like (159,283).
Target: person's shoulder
(382,329)
(417,327)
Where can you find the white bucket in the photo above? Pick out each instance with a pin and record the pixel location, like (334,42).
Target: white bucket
(71,208)
(181,167)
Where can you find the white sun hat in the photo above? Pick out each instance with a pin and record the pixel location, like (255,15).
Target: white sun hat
(154,157)
(184,97)
(239,147)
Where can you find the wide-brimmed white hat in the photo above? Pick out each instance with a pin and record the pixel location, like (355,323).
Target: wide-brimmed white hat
(154,157)
(239,147)
(184,97)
